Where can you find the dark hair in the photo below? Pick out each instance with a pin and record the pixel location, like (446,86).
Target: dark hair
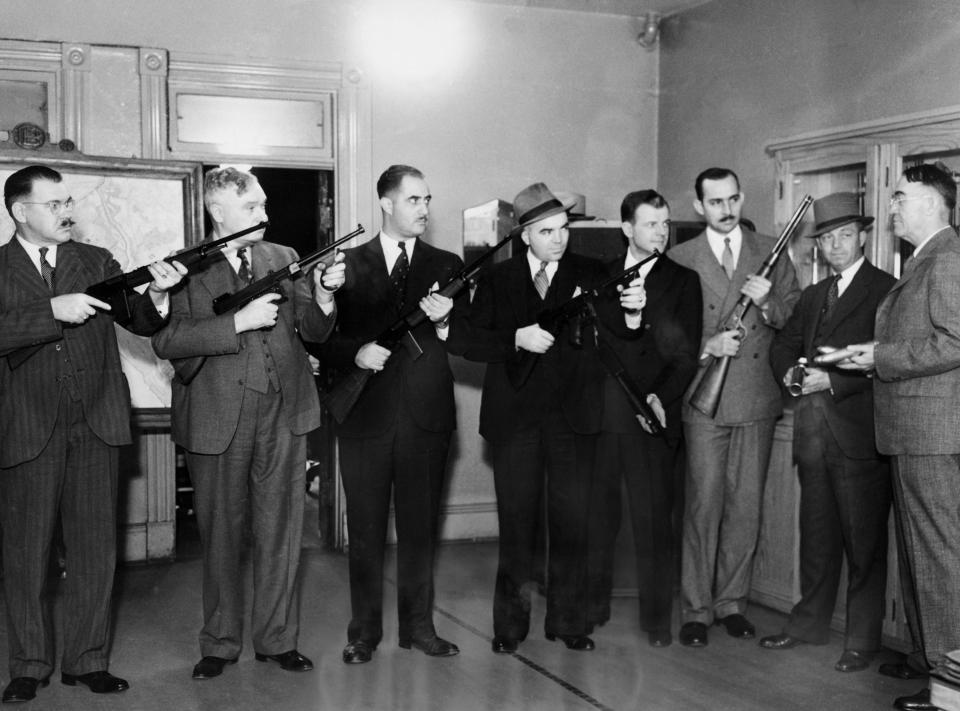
(222,178)
(628,208)
(714,174)
(392,177)
(936,176)
(20,184)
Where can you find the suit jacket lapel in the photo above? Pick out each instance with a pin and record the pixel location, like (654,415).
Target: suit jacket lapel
(710,270)
(69,272)
(24,273)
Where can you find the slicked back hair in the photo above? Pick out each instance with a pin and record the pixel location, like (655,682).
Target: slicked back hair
(714,174)
(628,208)
(20,184)
(391,178)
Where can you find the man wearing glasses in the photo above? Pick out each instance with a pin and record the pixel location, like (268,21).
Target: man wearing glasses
(915,361)
(66,411)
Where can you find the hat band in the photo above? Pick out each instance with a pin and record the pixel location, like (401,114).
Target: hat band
(534,214)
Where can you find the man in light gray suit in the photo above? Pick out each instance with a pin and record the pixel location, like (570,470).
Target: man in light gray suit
(727,455)
(916,363)
(243,401)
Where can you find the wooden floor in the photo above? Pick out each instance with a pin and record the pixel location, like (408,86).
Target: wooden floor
(158,616)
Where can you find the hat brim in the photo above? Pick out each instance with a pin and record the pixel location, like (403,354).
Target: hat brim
(564,206)
(825,227)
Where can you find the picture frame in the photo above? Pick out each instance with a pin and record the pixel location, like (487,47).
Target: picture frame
(140,210)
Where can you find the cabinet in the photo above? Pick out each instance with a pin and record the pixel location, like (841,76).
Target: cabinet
(866,158)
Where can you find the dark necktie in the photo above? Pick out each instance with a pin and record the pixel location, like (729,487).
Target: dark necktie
(833,295)
(244,271)
(398,275)
(540,280)
(46,269)
(727,258)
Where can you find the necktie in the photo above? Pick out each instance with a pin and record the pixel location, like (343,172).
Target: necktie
(540,280)
(244,271)
(398,275)
(46,269)
(833,295)
(727,258)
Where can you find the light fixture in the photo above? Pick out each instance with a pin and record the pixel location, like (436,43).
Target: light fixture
(650,30)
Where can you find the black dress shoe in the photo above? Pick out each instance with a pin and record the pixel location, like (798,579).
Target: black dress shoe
(737,626)
(853,660)
(576,642)
(901,670)
(780,641)
(358,652)
(917,702)
(209,667)
(503,645)
(659,639)
(22,688)
(693,634)
(289,661)
(431,646)
(99,682)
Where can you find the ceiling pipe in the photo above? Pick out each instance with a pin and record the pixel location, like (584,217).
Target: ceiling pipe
(651,30)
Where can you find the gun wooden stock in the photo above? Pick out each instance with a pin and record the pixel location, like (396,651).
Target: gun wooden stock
(706,396)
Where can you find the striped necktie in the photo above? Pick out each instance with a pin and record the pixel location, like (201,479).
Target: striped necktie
(244,272)
(541,282)
(46,269)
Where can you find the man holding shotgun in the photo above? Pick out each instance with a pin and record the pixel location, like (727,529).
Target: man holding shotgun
(728,454)
(397,434)
(243,401)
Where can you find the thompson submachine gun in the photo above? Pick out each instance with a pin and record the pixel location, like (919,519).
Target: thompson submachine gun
(706,396)
(636,398)
(346,391)
(272,281)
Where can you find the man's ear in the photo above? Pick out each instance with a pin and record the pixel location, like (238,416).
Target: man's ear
(19,212)
(698,206)
(386,204)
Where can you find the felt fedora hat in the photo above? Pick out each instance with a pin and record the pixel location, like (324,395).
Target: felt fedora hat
(536,202)
(837,209)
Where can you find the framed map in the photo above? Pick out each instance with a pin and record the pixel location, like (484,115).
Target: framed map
(141,211)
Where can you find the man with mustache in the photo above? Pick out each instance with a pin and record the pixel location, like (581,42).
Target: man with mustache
(397,435)
(66,413)
(727,456)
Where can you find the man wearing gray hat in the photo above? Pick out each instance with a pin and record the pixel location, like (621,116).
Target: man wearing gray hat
(844,483)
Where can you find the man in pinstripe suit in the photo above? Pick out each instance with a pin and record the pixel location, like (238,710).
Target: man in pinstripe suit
(66,411)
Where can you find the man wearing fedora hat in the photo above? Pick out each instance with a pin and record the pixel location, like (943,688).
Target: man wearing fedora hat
(548,424)
(844,483)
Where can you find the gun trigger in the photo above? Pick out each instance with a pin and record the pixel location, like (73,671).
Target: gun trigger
(413,348)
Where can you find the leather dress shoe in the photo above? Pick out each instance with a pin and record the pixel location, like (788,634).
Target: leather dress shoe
(288,661)
(431,646)
(660,638)
(901,670)
(693,634)
(358,652)
(209,667)
(99,682)
(22,688)
(853,660)
(576,642)
(503,645)
(917,702)
(780,641)
(737,626)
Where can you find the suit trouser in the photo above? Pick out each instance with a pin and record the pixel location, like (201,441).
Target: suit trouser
(411,462)
(726,471)
(75,478)
(646,465)
(520,464)
(844,506)
(927,512)
(262,474)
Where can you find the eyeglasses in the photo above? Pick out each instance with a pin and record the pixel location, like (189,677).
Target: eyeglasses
(897,199)
(57,207)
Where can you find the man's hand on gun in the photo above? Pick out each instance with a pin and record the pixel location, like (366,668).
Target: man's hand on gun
(372,356)
(166,275)
(757,288)
(327,281)
(533,338)
(634,297)
(725,343)
(436,306)
(654,402)
(259,313)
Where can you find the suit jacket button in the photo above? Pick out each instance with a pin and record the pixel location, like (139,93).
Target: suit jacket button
(59,347)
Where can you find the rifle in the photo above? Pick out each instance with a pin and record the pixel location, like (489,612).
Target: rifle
(706,396)
(272,281)
(347,390)
(637,399)
(118,289)
(518,370)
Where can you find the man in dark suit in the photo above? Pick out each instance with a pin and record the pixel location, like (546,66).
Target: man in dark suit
(66,412)
(397,435)
(657,346)
(844,483)
(915,358)
(546,424)
(728,455)
(243,402)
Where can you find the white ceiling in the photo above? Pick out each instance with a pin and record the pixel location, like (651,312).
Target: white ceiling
(629,8)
